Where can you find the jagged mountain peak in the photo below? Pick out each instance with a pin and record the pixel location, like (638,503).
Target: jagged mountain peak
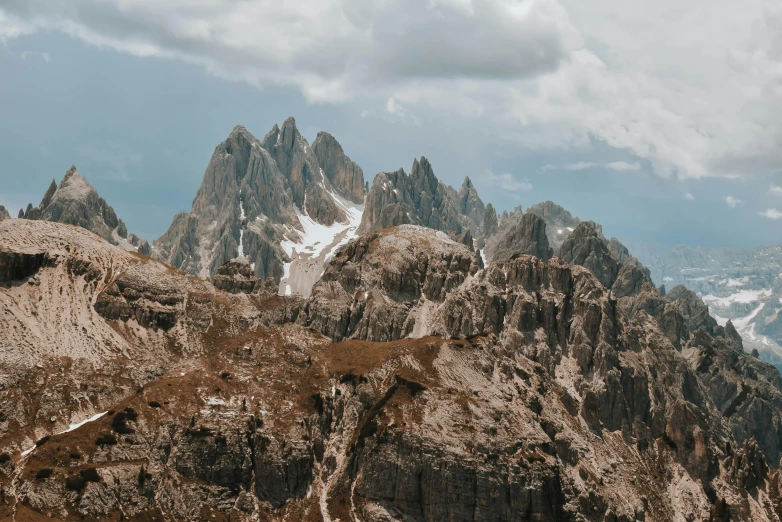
(70,172)
(47,197)
(241,131)
(279,203)
(73,186)
(419,198)
(423,172)
(343,173)
(76,202)
(525,236)
(471,204)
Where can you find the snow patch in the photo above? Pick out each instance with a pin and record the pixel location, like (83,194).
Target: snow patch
(742,296)
(738,282)
(72,427)
(312,244)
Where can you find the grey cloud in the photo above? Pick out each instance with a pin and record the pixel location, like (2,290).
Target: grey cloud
(332,49)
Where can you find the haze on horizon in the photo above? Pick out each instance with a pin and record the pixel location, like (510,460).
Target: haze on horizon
(661,122)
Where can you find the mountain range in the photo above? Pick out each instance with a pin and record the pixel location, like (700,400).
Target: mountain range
(305,345)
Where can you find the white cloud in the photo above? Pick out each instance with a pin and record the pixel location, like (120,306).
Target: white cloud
(546,73)
(776,189)
(35,55)
(733,202)
(619,166)
(771,213)
(581,165)
(689,197)
(623,166)
(396,112)
(506,181)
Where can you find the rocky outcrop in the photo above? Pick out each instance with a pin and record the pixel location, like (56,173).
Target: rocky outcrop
(623,255)
(525,236)
(18,266)
(380,287)
(419,198)
(585,247)
(559,222)
(691,306)
(470,204)
(490,221)
(236,277)
(345,175)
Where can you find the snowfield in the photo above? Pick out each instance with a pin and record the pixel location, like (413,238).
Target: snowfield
(312,244)
(743,296)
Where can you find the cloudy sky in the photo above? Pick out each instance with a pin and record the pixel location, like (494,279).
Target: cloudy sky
(662,122)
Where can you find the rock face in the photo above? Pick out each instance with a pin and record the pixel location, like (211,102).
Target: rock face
(236,277)
(559,222)
(525,391)
(76,202)
(339,169)
(419,198)
(525,236)
(585,247)
(382,286)
(470,204)
(272,202)
(490,221)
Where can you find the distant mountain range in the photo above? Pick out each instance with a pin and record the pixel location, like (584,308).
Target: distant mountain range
(744,286)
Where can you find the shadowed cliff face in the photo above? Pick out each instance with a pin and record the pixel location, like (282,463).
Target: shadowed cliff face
(527,390)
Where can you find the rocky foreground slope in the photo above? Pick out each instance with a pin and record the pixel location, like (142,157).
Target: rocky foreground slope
(565,388)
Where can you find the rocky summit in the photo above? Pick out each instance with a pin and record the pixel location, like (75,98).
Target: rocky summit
(279,203)
(420,198)
(76,202)
(303,346)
